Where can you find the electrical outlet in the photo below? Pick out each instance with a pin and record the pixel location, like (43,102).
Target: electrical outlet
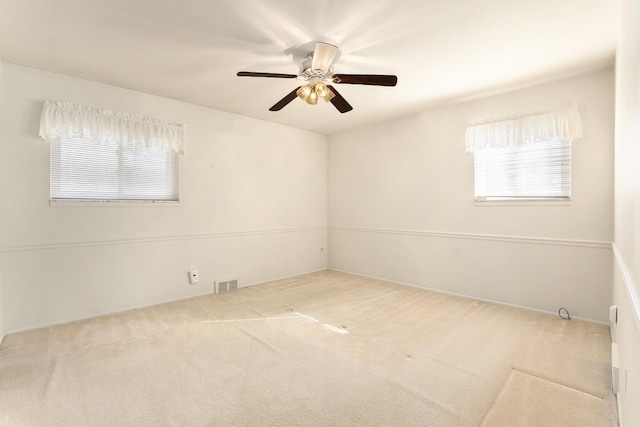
(613,315)
(193,275)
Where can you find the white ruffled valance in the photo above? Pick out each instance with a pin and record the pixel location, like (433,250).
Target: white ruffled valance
(62,119)
(564,123)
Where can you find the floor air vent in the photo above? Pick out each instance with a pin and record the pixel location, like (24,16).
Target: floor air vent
(229,285)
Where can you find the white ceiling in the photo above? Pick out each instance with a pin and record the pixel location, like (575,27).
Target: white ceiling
(191,50)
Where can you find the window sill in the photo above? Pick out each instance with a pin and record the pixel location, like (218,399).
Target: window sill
(69,203)
(522,202)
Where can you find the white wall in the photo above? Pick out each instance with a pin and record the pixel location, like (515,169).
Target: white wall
(1,210)
(253,206)
(404,190)
(1,312)
(627,213)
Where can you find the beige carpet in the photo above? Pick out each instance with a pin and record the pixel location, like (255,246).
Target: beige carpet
(546,404)
(324,349)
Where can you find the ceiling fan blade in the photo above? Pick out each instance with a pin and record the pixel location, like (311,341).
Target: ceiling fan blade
(276,75)
(284,101)
(366,79)
(323,56)
(338,101)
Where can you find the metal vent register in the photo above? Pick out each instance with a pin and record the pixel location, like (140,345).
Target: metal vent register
(229,285)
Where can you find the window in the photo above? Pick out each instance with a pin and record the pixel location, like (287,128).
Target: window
(534,171)
(524,158)
(81,170)
(106,156)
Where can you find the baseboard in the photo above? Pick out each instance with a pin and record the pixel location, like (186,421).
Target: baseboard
(619,412)
(475,298)
(106,313)
(280,278)
(152,304)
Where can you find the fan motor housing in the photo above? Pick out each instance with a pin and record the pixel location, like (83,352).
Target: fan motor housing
(311,75)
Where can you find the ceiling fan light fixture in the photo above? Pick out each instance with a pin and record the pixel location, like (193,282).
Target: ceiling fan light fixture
(311,92)
(322,90)
(313,98)
(304,92)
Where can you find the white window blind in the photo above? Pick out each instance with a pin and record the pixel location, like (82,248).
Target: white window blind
(102,155)
(111,172)
(534,171)
(526,157)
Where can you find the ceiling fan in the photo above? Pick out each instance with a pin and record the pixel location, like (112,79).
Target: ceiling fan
(317,71)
